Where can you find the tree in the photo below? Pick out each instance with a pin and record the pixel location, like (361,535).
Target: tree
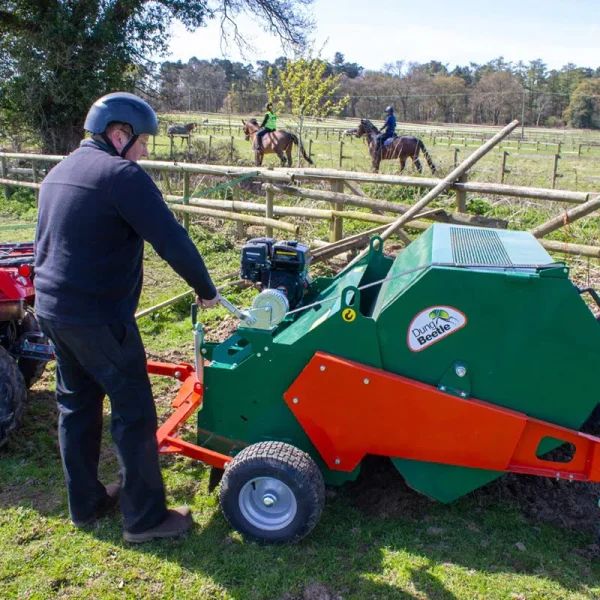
(498,98)
(584,108)
(451,93)
(306,90)
(341,67)
(58,56)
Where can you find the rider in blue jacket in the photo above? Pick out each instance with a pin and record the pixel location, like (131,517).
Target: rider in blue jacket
(389,128)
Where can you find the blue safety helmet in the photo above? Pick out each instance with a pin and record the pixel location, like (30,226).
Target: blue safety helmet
(121,107)
(389,109)
(124,108)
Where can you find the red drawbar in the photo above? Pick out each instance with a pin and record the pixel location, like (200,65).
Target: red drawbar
(186,403)
(349,410)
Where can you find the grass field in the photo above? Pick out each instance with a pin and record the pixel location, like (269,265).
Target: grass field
(519,538)
(529,162)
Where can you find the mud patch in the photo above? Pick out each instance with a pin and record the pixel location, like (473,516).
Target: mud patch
(313,591)
(573,506)
(226,328)
(382,492)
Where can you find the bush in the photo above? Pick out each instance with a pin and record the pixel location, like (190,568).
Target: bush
(18,205)
(478,206)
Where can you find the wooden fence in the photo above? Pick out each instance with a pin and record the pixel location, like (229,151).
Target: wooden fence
(278,182)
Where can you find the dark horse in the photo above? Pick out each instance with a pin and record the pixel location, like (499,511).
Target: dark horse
(274,142)
(400,148)
(182,130)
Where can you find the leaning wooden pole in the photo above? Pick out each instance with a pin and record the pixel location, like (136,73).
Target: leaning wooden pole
(569,216)
(444,184)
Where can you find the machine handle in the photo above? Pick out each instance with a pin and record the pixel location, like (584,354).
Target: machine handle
(198,340)
(236,312)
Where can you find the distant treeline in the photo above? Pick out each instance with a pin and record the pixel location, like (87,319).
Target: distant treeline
(492,93)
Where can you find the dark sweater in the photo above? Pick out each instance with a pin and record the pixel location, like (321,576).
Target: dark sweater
(95,211)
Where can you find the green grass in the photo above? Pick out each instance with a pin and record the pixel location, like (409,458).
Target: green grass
(431,551)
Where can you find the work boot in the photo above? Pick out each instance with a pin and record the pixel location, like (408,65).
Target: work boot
(107,506)
(178,521)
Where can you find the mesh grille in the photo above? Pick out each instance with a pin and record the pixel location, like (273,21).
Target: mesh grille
(477,247)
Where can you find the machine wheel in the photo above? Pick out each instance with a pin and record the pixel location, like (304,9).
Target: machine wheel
(272,492)
(12,394)
(31,368)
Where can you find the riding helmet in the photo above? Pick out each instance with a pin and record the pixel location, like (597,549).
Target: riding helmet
(390,108)
(123,108)
(268,105)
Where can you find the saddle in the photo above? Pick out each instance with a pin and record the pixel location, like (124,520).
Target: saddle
(390,140)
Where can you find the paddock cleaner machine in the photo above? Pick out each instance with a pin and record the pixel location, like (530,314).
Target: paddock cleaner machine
(470,355)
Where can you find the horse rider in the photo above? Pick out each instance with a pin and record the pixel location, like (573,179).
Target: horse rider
(389,128)
(268,125)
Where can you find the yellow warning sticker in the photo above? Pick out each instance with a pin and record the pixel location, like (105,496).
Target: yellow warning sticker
(349,315)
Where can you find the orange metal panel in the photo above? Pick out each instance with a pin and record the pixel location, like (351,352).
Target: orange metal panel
(349,410)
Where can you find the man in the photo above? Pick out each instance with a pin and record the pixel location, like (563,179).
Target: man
(96,208)
(268,125)
(389,128)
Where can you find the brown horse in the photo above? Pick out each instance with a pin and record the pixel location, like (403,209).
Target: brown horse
(275,142)
(400,148)
(182,130)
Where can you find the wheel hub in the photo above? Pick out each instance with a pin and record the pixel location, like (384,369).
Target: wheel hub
(267,503)
(269,500)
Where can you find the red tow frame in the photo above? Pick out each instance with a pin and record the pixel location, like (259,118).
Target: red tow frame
(187,402)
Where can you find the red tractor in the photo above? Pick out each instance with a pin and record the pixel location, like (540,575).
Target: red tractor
(24,350)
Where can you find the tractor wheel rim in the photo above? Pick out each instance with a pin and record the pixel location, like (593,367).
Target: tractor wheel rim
(267,503)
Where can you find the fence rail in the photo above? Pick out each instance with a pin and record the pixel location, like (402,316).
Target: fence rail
(284,181)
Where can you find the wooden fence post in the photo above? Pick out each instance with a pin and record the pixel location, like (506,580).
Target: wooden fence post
(555,170)
(240,231)
(34,176)
(231,150)
(186,199)
(503,169)
(310,148)
(153,145)
(209,146)
(269,212)
(171,148)
(336,225)
(4,173)
(341,153)
(461,195)
(456,151)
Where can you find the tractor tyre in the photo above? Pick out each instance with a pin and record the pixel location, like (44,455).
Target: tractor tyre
(12,394)
(272,492)
(31,368)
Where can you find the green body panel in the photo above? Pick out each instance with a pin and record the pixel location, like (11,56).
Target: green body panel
(529,343)
(491,302)
(243,401)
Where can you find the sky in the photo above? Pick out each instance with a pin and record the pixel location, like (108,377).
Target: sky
(453,32)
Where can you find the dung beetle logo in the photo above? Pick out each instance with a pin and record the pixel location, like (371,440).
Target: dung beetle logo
(439,314)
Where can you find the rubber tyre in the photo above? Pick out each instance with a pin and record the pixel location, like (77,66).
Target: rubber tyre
(31,368)
(12,395)
(286,464)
